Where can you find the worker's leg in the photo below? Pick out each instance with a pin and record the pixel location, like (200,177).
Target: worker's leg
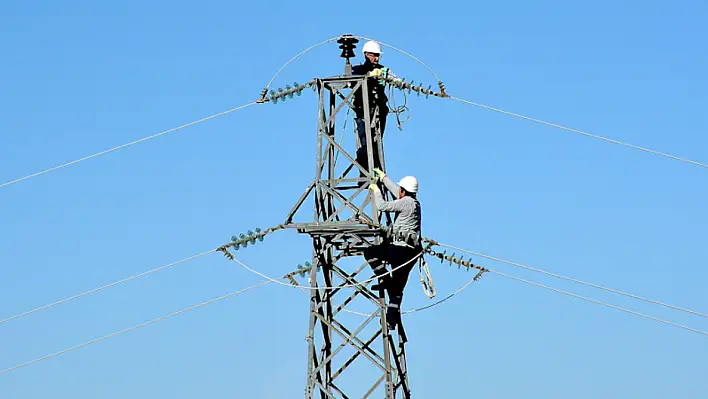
(375,255)
(362,158)
(361,151)
(359,129)
(402,260)
(393,314)
(378,140)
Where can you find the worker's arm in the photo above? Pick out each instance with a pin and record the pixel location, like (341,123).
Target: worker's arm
(388,206)
(391,186)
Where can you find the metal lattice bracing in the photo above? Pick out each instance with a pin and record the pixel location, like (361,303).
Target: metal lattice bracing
(349,355)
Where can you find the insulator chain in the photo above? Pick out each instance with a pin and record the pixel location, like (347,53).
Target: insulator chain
(252,237)
(460,262)
(441,85)
(288,92)
(262,97)
(301,271)
(401,84)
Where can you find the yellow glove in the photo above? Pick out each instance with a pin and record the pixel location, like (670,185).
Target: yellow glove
(379,174)
(376,73)
(373,187)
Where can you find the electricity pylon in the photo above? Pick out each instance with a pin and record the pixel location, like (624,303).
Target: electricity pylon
(341,229)
(347,221)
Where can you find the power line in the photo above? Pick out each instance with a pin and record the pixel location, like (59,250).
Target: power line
(71,298)
(599,302)
(305,288)
(405,312)
(576,281)
(126,145)
(441,301)
(607,139)
(362,283)
(298,55)
(422,308)
(135,327)
(303,52)
(663,154)
(468,283)
(406,54)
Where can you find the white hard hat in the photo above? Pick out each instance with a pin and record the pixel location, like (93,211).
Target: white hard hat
(409,183)
(371,47)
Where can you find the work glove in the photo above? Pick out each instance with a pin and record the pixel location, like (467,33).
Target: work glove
(376,73)
(386,73)
(373,187)
(379,174)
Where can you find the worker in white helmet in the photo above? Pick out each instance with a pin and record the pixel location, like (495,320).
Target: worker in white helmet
(403,247)
(377,102)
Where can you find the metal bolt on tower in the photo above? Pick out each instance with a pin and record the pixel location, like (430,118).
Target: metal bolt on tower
(348,355)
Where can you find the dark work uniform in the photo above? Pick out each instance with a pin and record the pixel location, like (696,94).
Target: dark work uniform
(377,98)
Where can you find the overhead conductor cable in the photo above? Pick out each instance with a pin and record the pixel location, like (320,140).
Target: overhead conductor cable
(126,145)
(71,298)
(576,281)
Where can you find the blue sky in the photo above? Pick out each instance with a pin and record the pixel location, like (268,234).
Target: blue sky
(79,77)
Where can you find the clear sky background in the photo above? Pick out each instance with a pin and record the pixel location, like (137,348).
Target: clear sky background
(78,77)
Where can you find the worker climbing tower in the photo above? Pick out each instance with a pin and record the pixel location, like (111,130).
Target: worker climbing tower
(346,221)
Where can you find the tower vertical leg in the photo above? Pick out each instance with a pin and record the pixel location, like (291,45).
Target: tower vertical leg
(386,344)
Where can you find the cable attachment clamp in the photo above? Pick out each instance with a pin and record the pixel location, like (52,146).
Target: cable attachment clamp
(262,98)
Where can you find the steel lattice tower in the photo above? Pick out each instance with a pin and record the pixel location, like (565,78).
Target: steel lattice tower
(341,229)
